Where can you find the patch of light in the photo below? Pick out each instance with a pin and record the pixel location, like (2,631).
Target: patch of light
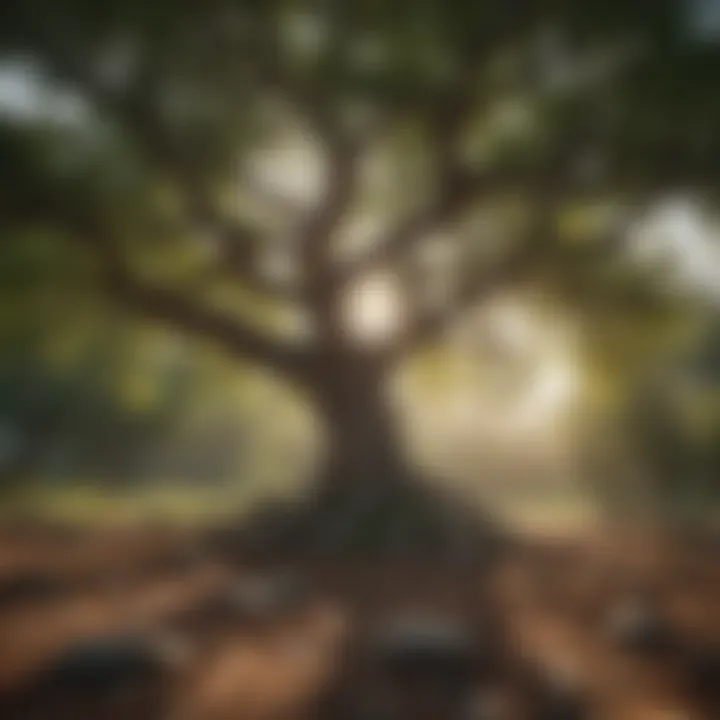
(374,311)
(529,366)
(19,91)
(513,326)
(292,169)
(541,353)
(552,391)
(26,95)
(677,233)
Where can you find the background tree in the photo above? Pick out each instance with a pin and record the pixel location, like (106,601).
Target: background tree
(494,121)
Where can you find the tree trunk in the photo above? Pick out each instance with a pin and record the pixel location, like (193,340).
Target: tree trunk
(369,498)
(363,448)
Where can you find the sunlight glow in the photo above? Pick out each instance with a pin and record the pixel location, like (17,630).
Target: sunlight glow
(677,232)
(26,93)
(292,169)
(506,415)
(536,353)
(550,393)
(374,311)
(513,374)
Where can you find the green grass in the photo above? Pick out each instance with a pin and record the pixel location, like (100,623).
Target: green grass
(183,504)
(87,504)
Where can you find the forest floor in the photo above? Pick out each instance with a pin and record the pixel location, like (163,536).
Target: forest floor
(548,595)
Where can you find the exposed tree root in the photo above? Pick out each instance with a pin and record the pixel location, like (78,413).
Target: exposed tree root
(402,519)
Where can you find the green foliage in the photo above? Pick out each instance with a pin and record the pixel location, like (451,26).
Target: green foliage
(172,97)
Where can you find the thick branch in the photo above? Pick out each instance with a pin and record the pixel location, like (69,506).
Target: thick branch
(239,265)
(456,185)
(545,190)
(533,252)
(315,240)
(178,311)
(134,113)
(477,285)
(452,198)
(236,243)
(316,236)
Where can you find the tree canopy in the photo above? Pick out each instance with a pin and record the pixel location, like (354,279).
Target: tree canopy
(235,168)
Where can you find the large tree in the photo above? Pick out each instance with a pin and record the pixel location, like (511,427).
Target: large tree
(499,118)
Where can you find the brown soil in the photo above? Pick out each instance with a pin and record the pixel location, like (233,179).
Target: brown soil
(547,598)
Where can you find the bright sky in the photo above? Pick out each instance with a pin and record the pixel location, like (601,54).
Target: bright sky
(25,94)
(676,231)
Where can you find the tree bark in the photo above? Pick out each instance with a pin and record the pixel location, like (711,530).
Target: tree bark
(364,452)
(368,500)
(370,497)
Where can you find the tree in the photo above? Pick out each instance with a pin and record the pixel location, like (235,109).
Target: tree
(513,112)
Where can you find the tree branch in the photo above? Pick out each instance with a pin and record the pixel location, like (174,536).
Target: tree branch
(235,240)
(238,265)
(321,289)
(178,311)
(457,186)
(316,235)
(532,252)
(453,197)
(475,286)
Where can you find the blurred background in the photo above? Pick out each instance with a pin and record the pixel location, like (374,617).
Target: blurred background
(600,364)
(273,250)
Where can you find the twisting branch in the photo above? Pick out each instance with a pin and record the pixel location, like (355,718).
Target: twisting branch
(547,188)
(235,240)
(477,284)
(456,185)
(321,290)
(452,198)
(178,310)
(316,235)
(340,149)
(86,226)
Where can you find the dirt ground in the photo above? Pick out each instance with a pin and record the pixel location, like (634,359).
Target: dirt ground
(548,601)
